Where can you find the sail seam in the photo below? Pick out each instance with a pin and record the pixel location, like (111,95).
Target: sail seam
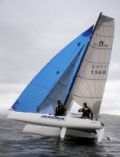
(95,62)
(103,35)
(106,25)
(62,84)
(85,96)
(89,79)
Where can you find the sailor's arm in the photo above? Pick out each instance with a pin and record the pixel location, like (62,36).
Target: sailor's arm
(80,110)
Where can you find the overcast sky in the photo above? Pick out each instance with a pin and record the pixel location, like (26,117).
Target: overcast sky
(33,31)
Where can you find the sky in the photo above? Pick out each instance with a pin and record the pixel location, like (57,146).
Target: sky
(33,31)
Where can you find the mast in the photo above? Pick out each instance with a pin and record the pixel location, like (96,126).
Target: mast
(82,59)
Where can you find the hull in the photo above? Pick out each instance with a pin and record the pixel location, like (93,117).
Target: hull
(50,120)
(70,133)
(42,130)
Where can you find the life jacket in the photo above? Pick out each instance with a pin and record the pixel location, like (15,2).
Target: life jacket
(60,110)
(86,112)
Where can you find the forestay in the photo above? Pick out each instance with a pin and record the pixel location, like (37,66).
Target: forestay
(90,81)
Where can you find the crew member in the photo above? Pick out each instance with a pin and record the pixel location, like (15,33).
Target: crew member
(86,111)
(60,110)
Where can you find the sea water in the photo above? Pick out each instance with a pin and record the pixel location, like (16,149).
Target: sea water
(15,143)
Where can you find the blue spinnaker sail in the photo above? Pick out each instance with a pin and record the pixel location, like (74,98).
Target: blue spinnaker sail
(45,83)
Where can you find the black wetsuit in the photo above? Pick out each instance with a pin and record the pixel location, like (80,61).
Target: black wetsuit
(60,110)
(86,112)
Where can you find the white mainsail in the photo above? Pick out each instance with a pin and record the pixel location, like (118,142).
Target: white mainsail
(91,77)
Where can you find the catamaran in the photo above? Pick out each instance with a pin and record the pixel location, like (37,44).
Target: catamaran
(77,74)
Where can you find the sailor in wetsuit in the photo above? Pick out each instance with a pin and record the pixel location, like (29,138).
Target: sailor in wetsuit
(60,110)
(86,111)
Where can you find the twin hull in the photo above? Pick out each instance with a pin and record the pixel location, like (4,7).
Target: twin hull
(49,125)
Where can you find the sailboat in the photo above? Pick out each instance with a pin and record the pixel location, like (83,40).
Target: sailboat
(77,74)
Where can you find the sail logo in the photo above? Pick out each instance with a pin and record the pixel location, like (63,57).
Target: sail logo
(101,44)
(53,117)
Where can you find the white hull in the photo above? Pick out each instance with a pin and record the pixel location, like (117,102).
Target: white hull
(42,130)
(55,131)
(47,120)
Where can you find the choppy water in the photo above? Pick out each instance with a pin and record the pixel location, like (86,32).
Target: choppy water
(14,143)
